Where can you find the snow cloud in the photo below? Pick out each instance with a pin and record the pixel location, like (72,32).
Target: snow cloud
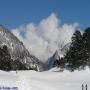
(45,38)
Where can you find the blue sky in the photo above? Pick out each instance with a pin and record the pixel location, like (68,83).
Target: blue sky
(14,13)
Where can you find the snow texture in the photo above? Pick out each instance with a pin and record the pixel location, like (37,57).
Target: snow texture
(48,80)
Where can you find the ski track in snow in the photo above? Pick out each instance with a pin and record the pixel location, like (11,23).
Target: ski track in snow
(48,80)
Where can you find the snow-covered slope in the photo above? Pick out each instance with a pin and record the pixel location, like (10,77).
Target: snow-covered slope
(57,55)
(17,50)
(49,80)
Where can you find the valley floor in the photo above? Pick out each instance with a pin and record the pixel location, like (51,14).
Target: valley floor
(48,80)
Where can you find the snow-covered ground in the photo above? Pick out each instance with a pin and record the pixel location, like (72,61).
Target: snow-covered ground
(49,80)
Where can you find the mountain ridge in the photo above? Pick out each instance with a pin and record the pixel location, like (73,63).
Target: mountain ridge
(17,50)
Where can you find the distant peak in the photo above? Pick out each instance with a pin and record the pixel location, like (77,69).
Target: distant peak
(56,52)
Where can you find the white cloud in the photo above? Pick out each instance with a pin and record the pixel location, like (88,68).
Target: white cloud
(44,39)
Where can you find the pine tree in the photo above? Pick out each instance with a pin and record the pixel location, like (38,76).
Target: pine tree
(5,59)
(61,63)
(73,57)
(86,47)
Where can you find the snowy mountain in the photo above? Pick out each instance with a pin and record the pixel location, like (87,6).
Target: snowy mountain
(57,55)
(17,50)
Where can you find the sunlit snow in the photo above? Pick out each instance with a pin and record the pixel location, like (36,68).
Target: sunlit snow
(48,80)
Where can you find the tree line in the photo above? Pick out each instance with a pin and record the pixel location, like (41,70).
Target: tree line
(8,64)
(78,55)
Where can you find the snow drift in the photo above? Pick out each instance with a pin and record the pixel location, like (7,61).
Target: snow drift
(49,80)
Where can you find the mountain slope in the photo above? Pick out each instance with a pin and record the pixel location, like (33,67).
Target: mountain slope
(57,55)
(17,50)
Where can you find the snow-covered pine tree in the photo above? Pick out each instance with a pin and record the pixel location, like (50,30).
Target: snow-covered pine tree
(86,47)
(73,57)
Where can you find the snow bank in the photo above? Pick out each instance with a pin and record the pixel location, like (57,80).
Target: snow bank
(49,80)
